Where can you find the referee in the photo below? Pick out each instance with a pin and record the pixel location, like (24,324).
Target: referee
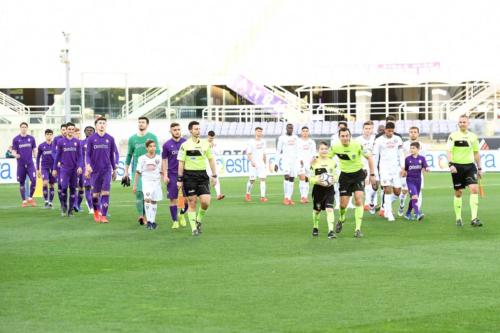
(465,167)
(193,176)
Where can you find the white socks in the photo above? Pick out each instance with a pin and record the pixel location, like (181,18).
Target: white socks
(304,189)
(250,186)
(262,189)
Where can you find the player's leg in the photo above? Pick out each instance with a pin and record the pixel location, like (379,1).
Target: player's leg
(73,182)
(105,193)
(81,192)
(31,172)
(304,183)
(388,197)
(402,196)
(147,207)
(315,220)
(262,183)
(21,179)
(251,180)
(286,200)
(204,204)
(139,200)
(358,212)
(191,213)
(344,202)
(173,193)
(220,196)
(474,204)
(64,180)
(52,181)
(96,186)
(45,189)
(317,207)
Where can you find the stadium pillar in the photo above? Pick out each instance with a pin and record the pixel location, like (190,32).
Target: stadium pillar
(67,93)
(363,101)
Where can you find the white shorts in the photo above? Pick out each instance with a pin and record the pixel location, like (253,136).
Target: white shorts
(259,171)
(290,167)
(305,169)
(404,186)
(152,190)
(390,178)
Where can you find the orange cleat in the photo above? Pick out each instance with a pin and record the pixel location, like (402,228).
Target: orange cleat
(286,202)
(24,204)
(32,202)
(97,217)
(366,208)
(303,200)
(291,202)
(247,197)
(263,199)
(104,219)
(381,213)
(221,196)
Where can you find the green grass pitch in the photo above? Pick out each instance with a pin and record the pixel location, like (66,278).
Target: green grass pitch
(255,268)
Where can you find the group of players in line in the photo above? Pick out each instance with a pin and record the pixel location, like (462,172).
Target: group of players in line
(345,168)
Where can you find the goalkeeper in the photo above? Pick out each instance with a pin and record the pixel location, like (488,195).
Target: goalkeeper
(323,168)
(137,148)
(352,176)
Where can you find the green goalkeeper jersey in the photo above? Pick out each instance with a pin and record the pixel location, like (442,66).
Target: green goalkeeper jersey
(137,148)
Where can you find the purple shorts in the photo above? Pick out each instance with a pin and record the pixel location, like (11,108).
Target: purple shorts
(414,186)
(172,189)
(100,180)
(68,178)
(47,174)
(26,170)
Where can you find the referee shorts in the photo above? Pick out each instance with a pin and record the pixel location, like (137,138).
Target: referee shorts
(466,175)
(352,182)
(196,182)
(323,197)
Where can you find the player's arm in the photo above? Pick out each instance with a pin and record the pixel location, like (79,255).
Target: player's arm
(115,158)
(79,158)
(164,168)
(33,148)
(477,157)
(449,154)
(88,155)
(15,148)
(130,154)
(181,155)
(371,164)
(38,158)
(56,161)
(213,165)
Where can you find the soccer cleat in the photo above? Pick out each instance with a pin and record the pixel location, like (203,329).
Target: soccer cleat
(63,211)
(419,217)
(358,234)
(51,206)
(198,227)
(291,202)
(32,202)
(247,197)
(91,211)
(46,206)
(195,232)
(24,204)
(459,223)
(221,196)
(381,213)
(149,225)
(103,219)
(476,223)
(263,199)
(303,200)
(97,218)
(315,232)
(366,208)
(409,217)
(140,220)
(286,202)
(401,210)
(372,209)
(390,217)
(182,220)
(175,225)
(154,225)
(70,213)
(331,234)
(338,226)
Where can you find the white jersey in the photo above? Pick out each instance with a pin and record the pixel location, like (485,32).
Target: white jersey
(287,146)
(149,168)
(367,145)
(388,153)
(306,150)
(406,147)
(258,149)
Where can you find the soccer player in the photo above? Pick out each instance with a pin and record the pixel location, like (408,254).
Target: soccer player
(63,129)
(287,148)
(136,148)
(149,169)
(463,152)
(215,152)
(389,156)
(192,174)
(44,155)
(415,164)
(100,168)
(414,133)
(333,141)
(23,148)
(367,140)
(170,169)
(306,151)
(69,159)
(352,177)
(323,192)
(89,130)
(79,184)
(256,153)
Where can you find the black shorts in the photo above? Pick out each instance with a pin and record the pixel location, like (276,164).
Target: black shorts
(466,175)
(351,182)
(196,183)
(323,197)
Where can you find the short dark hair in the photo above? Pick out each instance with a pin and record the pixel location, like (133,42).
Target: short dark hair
(172,125)
(415,144)
(344,129)
(192,123)
(258,128)
(368,123)
(211,133)
(304,127)
(99,119)
(390,125)
(143,118)
(64,125)
(323,143)
(149,142)
(390,118)
(23,123)
(70,124)
(415,128)
(87,127)
(49,131)
(342,123)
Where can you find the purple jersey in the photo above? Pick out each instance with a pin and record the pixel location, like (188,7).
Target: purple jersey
(414,166)
(45,155)
(83,143)
(169,153)
(101,153)
(24,145)
(68,154)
